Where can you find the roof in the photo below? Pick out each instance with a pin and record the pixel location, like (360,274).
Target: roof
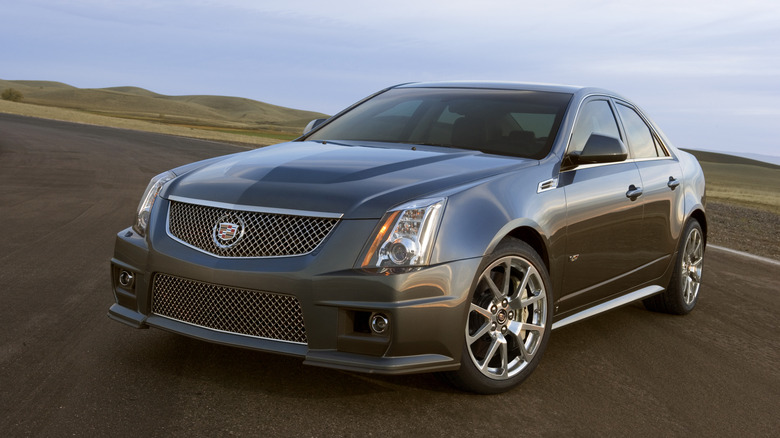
(530,86)
(496,85)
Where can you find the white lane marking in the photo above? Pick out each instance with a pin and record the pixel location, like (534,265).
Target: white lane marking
(745,254)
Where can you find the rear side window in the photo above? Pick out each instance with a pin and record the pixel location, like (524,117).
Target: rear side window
(640,138)
(596,117)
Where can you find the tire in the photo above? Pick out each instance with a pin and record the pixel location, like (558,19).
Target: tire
(682,294)
(508,322)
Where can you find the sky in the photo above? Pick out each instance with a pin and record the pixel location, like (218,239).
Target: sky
(708,72)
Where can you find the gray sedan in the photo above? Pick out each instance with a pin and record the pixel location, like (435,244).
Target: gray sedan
(431,227)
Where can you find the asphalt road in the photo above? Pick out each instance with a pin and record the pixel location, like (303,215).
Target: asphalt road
(66,369)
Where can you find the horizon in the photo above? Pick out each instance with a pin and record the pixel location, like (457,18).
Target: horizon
(772,159)
(706,73)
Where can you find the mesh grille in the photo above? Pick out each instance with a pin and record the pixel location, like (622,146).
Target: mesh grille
(240,311)
(246,233)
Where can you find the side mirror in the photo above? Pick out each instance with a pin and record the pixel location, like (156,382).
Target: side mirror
(600,149)
(313,124)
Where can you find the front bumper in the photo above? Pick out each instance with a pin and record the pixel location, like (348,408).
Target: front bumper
(426,308)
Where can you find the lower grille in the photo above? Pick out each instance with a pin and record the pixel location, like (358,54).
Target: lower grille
(240,311)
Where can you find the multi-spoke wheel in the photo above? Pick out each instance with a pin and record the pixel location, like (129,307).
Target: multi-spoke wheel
(683,291)
(508,322)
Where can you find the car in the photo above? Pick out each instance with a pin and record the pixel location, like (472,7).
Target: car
(444,227)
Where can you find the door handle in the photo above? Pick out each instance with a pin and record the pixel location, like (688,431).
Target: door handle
(633,192)
(673,183)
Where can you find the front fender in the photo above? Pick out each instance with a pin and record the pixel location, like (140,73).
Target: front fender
(478,218)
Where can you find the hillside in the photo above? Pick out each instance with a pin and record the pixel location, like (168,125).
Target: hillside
(715,157)
(741,181)
(743,203)
(218,112)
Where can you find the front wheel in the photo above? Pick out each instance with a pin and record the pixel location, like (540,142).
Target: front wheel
(508,322)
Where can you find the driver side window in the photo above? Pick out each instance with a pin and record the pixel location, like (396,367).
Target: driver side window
(596,117)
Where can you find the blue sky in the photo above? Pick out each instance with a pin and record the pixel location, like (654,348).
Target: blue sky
(707,71)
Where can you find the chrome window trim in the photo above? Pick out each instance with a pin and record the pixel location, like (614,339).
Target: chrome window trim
(590,166)
(631,160)
(640,160)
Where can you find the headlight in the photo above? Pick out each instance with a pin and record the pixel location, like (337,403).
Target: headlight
(405,236)
(147,201)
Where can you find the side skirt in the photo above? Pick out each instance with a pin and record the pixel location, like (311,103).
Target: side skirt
(609,305)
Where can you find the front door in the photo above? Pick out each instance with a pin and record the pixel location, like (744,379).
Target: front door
(603,223)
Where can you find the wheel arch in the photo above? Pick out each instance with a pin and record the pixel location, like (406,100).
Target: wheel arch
(700,217)
(533,238)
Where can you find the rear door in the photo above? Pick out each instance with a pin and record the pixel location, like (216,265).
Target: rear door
(661,190)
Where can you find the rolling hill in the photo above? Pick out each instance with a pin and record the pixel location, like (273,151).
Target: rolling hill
(741,181)
(219,112)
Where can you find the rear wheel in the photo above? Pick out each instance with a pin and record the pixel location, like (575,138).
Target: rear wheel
(683,291)
(508,323)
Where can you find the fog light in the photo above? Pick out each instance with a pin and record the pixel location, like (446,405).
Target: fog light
(126,278)
(379,323)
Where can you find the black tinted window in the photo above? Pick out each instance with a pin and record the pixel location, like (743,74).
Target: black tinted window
(506,122)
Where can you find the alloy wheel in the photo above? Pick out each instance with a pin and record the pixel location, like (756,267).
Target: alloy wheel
(507,318)
(692,266)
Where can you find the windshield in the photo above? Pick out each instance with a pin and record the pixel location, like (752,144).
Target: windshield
(505,122)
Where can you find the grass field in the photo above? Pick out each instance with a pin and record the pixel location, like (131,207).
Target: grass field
(741,181)
(221,118)
(69,115)
(743,203)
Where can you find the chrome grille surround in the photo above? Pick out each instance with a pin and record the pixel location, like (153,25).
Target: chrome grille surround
(263,232)
(226,309)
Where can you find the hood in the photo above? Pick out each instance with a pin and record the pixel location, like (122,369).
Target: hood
(358,181)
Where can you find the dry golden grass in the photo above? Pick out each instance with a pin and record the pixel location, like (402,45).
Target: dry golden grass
(137,103)
(69,115)
(739,181)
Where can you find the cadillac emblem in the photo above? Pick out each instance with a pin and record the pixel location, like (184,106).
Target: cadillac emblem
(227,232)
